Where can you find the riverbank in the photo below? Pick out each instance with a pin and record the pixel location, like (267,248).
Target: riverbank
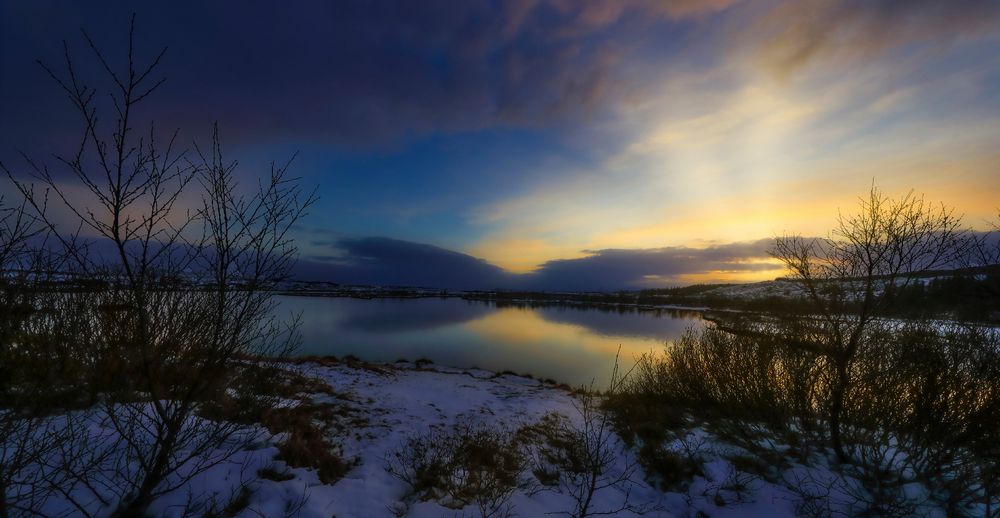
(369,413)
(355,439)
(966,294)
(376,408)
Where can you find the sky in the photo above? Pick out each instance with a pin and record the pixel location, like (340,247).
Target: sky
(550,144)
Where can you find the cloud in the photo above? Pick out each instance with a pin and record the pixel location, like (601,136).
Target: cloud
(730,151)
(358,73)
(648,122)
(383,261)
(792,34)
(619,268)
(604,12)
(391,262)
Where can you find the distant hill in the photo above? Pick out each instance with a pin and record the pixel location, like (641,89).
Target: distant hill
(966,293)
(963,294)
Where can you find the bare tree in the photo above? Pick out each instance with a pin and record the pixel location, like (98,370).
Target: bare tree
(186,295)
(29,435)
(16,229)
(19,448)
(986,253)
(590,458)
(850,277)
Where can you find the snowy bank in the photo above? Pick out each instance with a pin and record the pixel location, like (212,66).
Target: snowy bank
(372,410)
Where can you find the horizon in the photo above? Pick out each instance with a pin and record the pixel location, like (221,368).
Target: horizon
(588,147)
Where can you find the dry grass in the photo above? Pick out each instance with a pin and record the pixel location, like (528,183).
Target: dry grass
(311,429)
(470,463)
(923,407)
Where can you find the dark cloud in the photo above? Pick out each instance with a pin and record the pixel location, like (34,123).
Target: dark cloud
(604,12)
(351,71)
(617,269)
(382,261)
(795,33)
(364,72)
(390,262)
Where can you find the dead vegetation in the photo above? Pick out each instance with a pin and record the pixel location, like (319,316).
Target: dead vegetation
(147,337)
(482,464)
(471,463)
(884,403)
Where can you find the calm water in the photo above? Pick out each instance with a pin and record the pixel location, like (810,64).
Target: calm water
(566,343)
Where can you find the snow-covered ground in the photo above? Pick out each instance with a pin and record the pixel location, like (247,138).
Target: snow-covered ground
(380,406)
(399,401)
(757,290)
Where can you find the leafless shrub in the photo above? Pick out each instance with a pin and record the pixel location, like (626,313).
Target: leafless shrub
(749,387)
(588,458)
(29,437)
(820,496)
(922,411)
(236,501)
(897,403)
(469,464)
(850,277)
(919,411)
(182,300)
(985,253)
(835,493)
(733,488)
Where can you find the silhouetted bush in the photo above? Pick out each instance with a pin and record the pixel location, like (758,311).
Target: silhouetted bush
(585,458)
(471,463)
(151,334)
(739,383)
(922,408)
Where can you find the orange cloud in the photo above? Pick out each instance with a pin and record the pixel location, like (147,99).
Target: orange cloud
(793,34)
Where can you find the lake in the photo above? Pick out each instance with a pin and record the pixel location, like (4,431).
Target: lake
(571,344)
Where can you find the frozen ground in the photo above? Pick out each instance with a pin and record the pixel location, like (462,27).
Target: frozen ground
(400,400)
(381,405)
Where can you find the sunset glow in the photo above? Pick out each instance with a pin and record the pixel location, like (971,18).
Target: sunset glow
(546,132)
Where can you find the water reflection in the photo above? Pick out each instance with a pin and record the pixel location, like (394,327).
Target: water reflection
(402,315)
(566,343)
(623,320)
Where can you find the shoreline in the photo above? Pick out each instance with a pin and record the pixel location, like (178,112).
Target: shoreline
(364,417)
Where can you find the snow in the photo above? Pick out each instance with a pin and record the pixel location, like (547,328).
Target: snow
(405,400)
(758,290)
(402,399)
